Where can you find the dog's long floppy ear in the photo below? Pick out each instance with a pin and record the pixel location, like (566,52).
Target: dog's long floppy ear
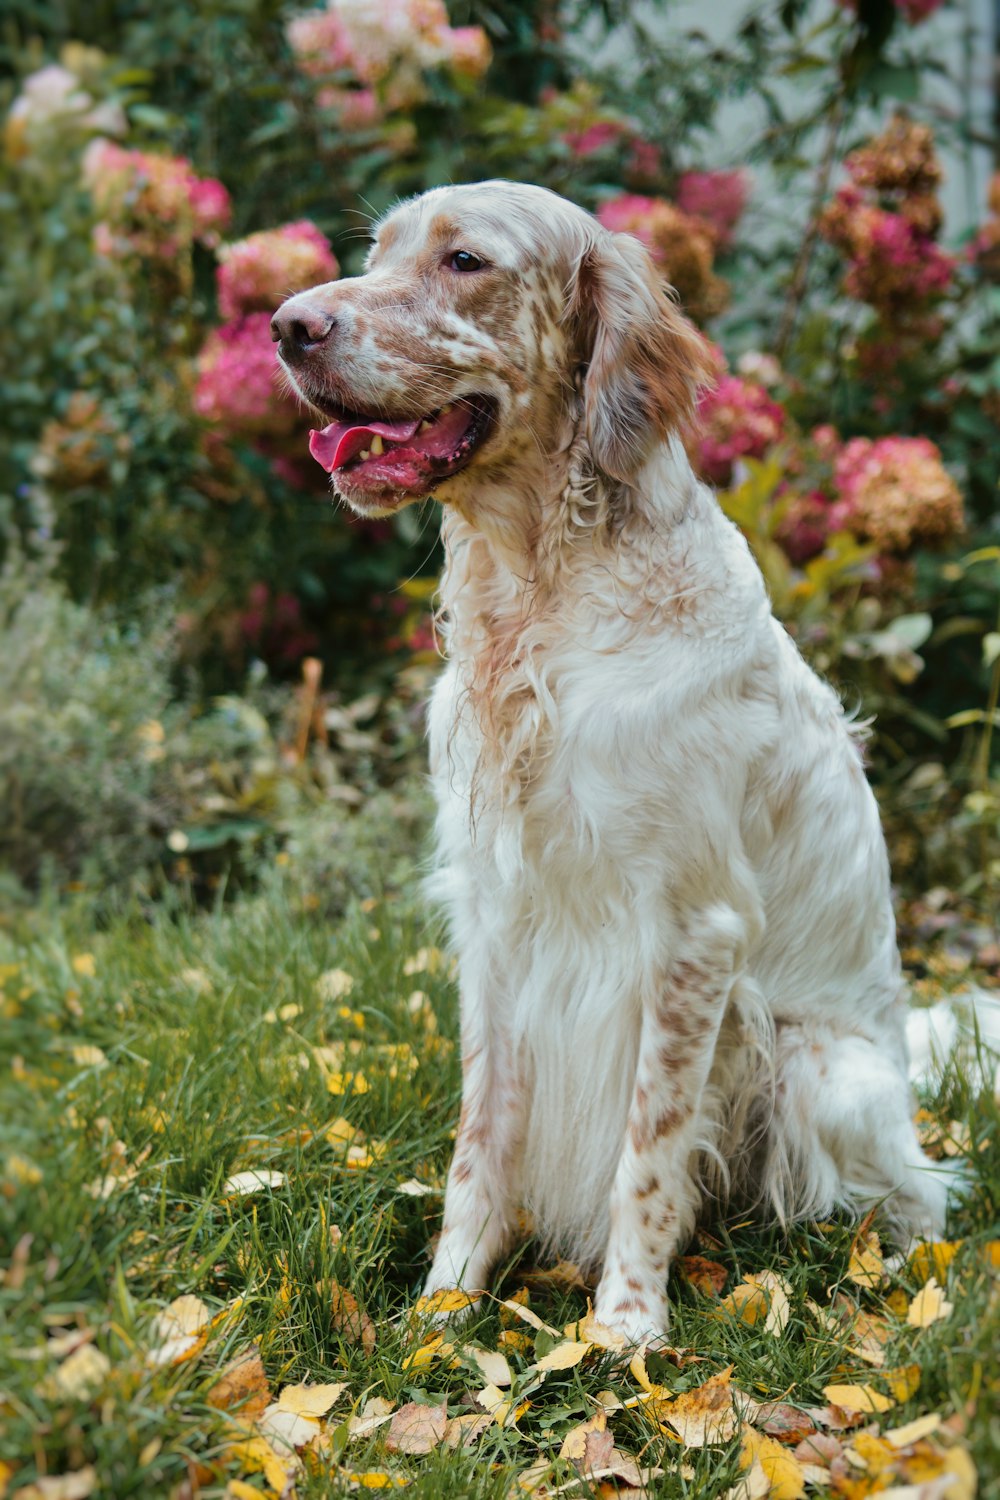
(645,363)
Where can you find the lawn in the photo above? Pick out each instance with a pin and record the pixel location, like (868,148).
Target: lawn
(161,1309)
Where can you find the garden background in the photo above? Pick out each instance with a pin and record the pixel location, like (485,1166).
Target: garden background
(228,1071)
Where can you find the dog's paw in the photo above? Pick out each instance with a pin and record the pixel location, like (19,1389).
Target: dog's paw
(641,1319)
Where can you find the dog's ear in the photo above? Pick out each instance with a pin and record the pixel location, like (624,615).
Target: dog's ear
(645,363)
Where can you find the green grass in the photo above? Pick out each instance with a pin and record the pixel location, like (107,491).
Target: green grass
(204,1071)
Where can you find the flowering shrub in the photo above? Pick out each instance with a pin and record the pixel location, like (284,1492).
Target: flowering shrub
(237,391)
(683,246)
(717,198)
(151,205)
(257,273)
(386,49)
(896,492)
(737,419)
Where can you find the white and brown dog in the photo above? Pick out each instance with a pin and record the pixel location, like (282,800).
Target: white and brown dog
(661,860)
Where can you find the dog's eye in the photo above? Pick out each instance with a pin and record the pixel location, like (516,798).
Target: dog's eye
(464,260)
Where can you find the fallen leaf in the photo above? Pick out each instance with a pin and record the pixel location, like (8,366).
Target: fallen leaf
(913,1432)
(929,1306)
(704,1275)
(932,1258)
(783,1471)
(81,1374)
(518,1310)
(84,964)
(310,1400)
(242,1183)
(413,1188)
(869,1336)
(589,1444)
(564,1356)
(430,1350)
(777,1291)
(464,1430)
(374,1414)
(417,1429)
(903,1381)
(334,984)
(747,1303)
(587,1330)
(238,1489)
(866,1266)
(242,1384)
(778,1420)
(86,1056)
(348,1317)
(286,1430)
(256,1455)
(447,1300)
(857,1398)
(565,1275)
(76,1486)
(492,1365)
(704,1415)
(376,1479)
(182,1329)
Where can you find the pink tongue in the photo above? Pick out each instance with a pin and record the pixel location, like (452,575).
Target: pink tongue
(340,442)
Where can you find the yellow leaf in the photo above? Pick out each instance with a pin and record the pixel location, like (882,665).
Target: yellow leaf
(705,1415)
(84,965)
(866,1266)
(913,1432)
(588,1330)
(963,1485)
(861,1398)
(747,1303)
(929,1306)
(512,1338)
(903,1381)
(518,1310)
(777,1291)
(243,1385)
(574,1445)
(425,1356)
(257,1455)
(447,1300)
(782,1468)
(75,1486)
(238,1489)
(564,1356)
(375,1413)
(378,1479)
(932,1259)
(495,1369)
(286,1430)
(341,1132)
(310,1400)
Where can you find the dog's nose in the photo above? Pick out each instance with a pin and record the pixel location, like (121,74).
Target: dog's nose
(300,329)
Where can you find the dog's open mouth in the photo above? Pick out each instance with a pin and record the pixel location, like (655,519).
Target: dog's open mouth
(410,454)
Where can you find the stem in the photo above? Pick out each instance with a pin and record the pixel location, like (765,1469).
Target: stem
(800,272)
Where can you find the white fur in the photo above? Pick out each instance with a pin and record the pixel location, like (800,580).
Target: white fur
(660,858)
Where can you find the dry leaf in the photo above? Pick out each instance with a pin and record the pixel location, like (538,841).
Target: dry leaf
(589,1331)
(81,1375)
(374,1414)
(786,1423)
(564,1356)
(430,1350)
(349,1319)
(777,1291)
(565,1275)
(286,1430)
(417,1429)
(589,1444)
(866,1266)
(929,1306)
(704,1275)
(903,1381)
(413,1188)
(932,1259)
(243,1385)
(747,1303)
(447,1300)
(705,1415)
(257,1455)
(782,1469)
(310,1400)
(869,1337)
(518,1310)
(494,1368)
(75,1486)
(913,1432)
(182,1329)
(464,1430)
(857,1398)
(335,984)
(242,1183)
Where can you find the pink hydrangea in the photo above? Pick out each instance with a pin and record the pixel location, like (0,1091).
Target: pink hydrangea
(596,137)
(717,197)
(151,204)
(896,491)
(387,45)
(737,419)
(237,391)
(254,274)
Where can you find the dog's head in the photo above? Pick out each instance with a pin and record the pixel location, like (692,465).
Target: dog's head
(461,354)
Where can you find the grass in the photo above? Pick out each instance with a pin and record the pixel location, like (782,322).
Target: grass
(145,1063)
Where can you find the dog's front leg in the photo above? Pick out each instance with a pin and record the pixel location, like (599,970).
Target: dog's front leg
(654,1195)
(481,1198)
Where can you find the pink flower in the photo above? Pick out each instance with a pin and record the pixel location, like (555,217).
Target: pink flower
(469,50)
(897,492)
(596,137)
(717,197)
(255,274)
(150,204)
(237,391)
(736,420)
(913,11)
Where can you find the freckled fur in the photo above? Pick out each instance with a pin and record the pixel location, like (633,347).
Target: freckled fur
(661,862)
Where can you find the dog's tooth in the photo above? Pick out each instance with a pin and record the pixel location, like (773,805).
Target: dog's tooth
(425,425)
(446,409)
(377,447)
(365,453)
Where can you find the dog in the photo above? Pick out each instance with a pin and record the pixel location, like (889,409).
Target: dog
(660,857)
